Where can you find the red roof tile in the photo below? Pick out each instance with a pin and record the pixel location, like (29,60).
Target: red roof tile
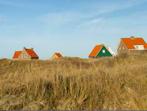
(130,42)
(58,54)
(16,54)
(145,46)
(32,53)
(96,50)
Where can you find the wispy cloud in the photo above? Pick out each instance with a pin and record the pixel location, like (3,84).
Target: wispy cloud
(60,19)
(2,19)
(103,11)
(95,15)
(9,3)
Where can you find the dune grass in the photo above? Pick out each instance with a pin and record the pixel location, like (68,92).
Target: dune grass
(74,84)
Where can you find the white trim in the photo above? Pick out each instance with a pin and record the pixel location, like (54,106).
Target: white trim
(139,47)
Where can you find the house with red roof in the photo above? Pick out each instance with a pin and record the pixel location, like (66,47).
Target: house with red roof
(25,54)
(132,44)
(100,51)
(57,55)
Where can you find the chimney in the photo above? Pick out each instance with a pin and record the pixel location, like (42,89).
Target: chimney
(24,47)
(132,37)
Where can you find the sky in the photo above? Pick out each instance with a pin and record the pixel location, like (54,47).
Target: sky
(72,27)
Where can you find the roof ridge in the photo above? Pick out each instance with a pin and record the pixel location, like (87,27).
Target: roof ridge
(131,37)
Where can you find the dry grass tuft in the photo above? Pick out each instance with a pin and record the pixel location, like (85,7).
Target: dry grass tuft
(74,84)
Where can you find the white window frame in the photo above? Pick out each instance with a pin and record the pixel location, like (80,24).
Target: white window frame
(139,47)
(104,51)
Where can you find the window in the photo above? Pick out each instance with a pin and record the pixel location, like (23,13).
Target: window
(103,51)
(139,47)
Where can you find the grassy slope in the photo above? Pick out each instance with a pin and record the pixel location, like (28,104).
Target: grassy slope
(109,83)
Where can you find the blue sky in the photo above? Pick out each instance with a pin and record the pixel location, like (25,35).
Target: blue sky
(72,27)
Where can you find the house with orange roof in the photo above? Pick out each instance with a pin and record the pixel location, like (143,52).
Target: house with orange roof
(132,44)
(100,51)
(57,55)
(25,54)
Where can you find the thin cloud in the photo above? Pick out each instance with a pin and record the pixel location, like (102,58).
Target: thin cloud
(59,19)
(12,3)
(2,19)
(95,15)
(98,19)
